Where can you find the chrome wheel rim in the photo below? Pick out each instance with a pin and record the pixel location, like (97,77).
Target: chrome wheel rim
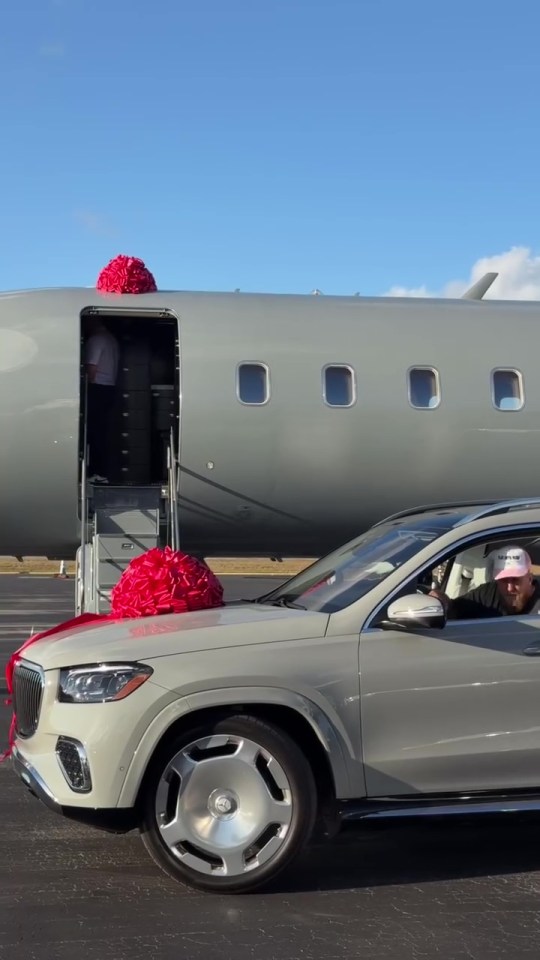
(223,806)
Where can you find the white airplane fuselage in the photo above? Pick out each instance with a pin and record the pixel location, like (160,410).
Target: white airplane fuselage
(295,474)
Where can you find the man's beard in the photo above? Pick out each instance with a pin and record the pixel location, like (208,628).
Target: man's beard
(516,603)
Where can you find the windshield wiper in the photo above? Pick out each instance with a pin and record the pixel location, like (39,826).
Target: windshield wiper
(286,601)
(283,601)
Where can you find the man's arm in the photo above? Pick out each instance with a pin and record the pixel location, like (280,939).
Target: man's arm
(472,604)
(440,596)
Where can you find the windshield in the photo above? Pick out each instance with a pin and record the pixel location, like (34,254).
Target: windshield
(344,576)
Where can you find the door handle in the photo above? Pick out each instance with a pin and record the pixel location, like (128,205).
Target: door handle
(532,651)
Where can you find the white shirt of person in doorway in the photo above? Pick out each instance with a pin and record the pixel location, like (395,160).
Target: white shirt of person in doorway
(101,358)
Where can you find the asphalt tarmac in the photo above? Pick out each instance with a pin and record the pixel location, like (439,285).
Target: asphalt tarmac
(458,890)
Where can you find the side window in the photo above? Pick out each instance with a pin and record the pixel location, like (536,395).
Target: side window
(507,389)
(252,383)
(424,389)
(474,565)
(338,385)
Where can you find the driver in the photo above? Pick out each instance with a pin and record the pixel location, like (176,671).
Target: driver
(511,590)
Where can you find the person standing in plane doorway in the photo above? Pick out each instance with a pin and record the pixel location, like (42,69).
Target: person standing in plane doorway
(101,365)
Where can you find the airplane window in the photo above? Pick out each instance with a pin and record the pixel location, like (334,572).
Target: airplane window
(507,390)
(338,390)
(424,390)
(252,383)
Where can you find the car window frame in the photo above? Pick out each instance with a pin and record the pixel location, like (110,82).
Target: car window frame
(447,553)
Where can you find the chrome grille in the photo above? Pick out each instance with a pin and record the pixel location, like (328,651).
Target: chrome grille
(27,696)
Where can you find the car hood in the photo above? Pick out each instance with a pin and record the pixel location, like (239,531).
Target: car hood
(150,637)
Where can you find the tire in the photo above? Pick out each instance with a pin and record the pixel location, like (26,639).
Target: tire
(229,805)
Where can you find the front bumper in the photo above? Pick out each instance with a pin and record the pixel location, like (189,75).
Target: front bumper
(33,781)
(113,821)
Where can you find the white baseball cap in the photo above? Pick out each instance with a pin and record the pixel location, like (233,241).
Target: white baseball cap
(510,562)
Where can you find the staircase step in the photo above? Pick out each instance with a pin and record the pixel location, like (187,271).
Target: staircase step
(123,547)
(124,523)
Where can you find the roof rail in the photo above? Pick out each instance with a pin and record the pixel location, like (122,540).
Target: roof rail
(414,511)
(501,506)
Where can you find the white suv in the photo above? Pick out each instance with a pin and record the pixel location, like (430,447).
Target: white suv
(231,736)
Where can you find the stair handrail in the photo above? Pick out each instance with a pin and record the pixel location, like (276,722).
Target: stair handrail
(84,500)
(172,485)
(170,535)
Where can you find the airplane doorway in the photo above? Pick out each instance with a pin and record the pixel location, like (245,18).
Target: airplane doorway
(146,399)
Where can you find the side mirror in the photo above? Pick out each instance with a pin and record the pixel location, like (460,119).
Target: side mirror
(414,610)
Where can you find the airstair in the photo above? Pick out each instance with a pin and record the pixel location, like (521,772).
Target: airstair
(119,523)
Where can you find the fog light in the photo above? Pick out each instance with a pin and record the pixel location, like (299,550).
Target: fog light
(74,764)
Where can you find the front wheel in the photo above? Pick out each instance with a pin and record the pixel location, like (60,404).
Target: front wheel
(229,806)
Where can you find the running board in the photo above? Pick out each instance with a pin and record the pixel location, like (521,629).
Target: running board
(465,805)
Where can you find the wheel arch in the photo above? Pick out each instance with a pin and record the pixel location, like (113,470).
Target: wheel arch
(324,746)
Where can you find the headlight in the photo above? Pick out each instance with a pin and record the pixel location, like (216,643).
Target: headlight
(101,683)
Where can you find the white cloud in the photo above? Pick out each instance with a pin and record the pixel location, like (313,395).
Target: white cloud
(519,278)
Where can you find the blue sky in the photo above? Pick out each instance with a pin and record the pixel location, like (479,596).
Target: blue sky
(349,145)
